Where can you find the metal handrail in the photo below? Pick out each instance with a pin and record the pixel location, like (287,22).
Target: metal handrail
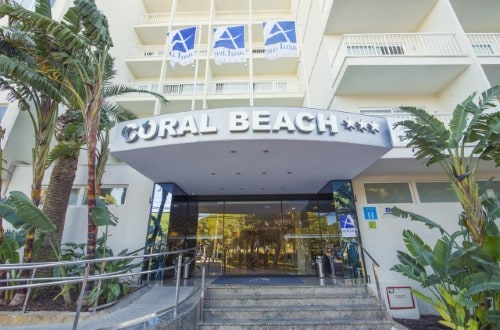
(32,282)
(375,266)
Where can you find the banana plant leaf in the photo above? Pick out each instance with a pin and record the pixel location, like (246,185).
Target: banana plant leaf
(27,215)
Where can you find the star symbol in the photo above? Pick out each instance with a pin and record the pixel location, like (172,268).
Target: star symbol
(374,127)
(349,124)
(362,126)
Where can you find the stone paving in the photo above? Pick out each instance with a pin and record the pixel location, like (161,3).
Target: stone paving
(153,302)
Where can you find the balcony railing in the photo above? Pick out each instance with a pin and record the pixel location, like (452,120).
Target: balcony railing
(222,87)
(204,16)
(159,50)
(485,44)
(164,18)
(258,87)
(401,44)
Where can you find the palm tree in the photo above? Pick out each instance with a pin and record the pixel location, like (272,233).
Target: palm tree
(461,269)
(23,62)
(473,136)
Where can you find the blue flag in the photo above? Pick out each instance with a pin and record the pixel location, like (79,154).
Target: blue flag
(280,39)
(229,44)
(182,46)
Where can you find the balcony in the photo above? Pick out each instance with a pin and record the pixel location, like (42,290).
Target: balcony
(380,16)
(218,93)
(152,28)
(403,63)
(144,61)
(487,48)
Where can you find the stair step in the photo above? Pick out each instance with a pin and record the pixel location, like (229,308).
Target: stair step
(292,312)
(280,307)
(288,300)
(309,324)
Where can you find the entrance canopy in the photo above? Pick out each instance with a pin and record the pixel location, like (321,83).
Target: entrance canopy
(243,151)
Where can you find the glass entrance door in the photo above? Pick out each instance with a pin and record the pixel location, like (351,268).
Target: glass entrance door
(253,238)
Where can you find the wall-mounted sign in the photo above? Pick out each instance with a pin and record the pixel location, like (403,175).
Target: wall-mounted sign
(400,297)
(347,225)
(370,213)
(372,224)
(280,120)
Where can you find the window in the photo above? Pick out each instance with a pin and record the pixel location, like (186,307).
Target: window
(381,111)
(492,188)
(374,50)
(385,193)
(3,110)
(483,49)
(113,195)
(436,192)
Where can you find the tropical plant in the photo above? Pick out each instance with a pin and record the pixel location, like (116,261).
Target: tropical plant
(24,54)
(78,65)
(20,211)
(462,270)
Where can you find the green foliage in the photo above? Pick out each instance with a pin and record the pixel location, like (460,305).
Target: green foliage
(462,270)
(20,211)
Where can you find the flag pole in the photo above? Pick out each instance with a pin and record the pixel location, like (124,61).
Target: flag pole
(196,62)
(303,65)
(250,54)
(163,69)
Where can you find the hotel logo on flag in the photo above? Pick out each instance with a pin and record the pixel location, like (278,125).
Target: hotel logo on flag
(229,44)
(182,46)
(280,39)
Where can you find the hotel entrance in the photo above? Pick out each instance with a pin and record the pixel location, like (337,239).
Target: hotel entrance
(260,235)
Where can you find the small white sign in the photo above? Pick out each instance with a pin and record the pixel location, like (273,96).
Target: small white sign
(400,297)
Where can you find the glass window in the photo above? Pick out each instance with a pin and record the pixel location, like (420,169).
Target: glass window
(3,110)
(491,188)
(113,195)
(383,193)
(73,197)
(436,192)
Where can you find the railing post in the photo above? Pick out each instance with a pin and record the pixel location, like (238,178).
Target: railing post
(202,300)
(80,298)
(178,282)
(29,291)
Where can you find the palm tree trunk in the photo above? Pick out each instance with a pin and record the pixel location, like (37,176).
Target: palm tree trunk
(3,273)
(46,124)
(56,203)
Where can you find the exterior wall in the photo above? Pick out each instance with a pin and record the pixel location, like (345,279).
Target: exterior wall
(315,71)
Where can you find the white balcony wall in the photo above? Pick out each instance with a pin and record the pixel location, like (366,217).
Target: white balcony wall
(485,44)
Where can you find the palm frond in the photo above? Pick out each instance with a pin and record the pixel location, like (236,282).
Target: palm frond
(117,90)
(416,217)
(426,134)
(32,216)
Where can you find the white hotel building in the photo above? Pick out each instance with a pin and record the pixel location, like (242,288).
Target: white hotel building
(251,158)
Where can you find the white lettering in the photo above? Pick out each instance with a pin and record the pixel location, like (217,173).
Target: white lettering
(187,125)
(129,133)
(167,127)
(303,122)
(205,126)
(323,122)
(238,121)
(148,130)
(283,121)
(260,121)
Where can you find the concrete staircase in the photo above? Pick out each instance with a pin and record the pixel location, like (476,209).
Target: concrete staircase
(292,307)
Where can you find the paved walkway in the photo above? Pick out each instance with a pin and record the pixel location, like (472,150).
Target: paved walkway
(156,300)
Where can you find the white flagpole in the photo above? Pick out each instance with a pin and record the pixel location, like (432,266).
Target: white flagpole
(196,62)
(302,60)
(250,53)
(163,69)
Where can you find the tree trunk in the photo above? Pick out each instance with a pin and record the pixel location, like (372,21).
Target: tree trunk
(57,200)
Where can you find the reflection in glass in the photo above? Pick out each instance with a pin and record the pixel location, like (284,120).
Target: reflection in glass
(254,238)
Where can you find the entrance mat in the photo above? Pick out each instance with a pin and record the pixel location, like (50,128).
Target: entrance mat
(258,280)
